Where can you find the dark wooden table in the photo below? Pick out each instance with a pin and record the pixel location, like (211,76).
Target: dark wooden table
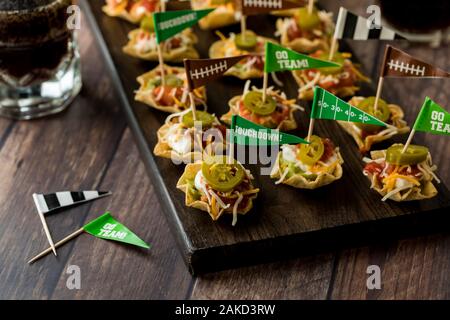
(90,147)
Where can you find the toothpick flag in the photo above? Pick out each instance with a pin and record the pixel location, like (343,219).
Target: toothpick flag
(201,71)
(254,7)
(279,58)
(433,118)
(398,63)
(245,132)
(327,106)
(352,26)
(104,227)
(167,24)
(53,201)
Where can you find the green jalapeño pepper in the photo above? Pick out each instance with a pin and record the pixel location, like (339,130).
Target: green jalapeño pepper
(383,113)
(246,43)
(222,175)
(311,153)
(307,21)
(147,24)
(204,117)
(253,101)
(412,155)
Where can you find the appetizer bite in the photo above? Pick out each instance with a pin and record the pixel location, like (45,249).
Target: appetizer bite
(340,81)
(131,10)
(365,135)
(174,96)
(223,15)
(306,32)
(308,166)
(180,141)
(235,45)
(402,176)
(142,44)
(277,112)
(217,185)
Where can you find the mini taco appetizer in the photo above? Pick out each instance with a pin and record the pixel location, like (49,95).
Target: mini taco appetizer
(131,10)
(340,81)
(174,96)
(276,113)
(366,135)
(402,176)
(180,141)
(142,44)
(308,166)
(236,44)
(306,32)
(217,186)
(223,15)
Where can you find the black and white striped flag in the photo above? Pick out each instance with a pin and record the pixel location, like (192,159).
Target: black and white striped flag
(352,26)
(49,202)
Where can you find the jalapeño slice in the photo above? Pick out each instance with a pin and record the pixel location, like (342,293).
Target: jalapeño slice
(311,153)
(253,101)
(204,117)
(307,21)
(338,58)
(147,23)
(413,154)
(383,113)
(246,43)
(222,175)
(173,81)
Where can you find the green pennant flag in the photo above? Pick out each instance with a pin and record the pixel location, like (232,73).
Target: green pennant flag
(327,106)
(245,132)
(433,118)
(279,58)
(106,227)
(169,23)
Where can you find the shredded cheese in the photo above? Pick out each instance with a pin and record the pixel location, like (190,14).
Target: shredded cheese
(235,208)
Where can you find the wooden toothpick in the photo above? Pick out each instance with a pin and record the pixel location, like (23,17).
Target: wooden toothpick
(193,106)
(408,142)
(44,224)
(378,94)
(159,50)
(310,130)
(243,26)
(58,244)
(310,6)
(332,49)
(265,83)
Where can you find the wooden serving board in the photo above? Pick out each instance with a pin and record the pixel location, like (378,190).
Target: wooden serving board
(285,221)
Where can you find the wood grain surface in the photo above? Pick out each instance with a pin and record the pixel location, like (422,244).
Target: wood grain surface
(88,147)
(285,221)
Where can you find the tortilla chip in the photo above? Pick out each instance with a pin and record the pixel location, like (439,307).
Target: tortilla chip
(303,45)
(142,95)
(285,125)
(426,190)
(217,18)
(163,149)
(299,181)
(365,144)
(189,175)
(174,55)
(120,14)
